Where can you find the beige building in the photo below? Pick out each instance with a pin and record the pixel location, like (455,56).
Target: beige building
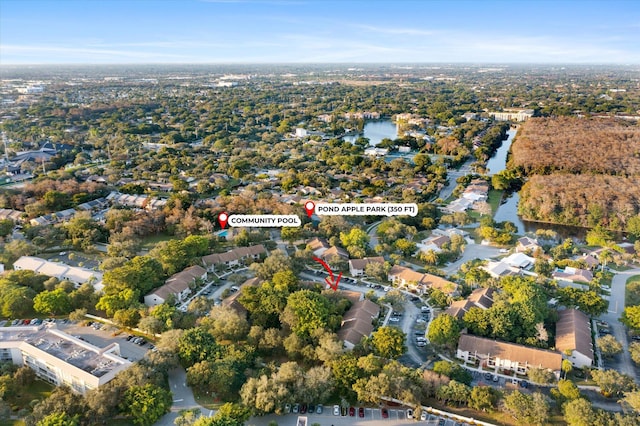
(504,356)
(357,322)
(403,276)
(178,285)
(513,115)
(59,358)
(233,257)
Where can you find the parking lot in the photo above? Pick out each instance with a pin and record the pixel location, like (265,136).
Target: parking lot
(372,416)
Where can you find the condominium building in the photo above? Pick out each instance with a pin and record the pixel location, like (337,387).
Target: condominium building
(59,358)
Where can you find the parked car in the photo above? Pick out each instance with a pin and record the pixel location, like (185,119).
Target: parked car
(303,409)
(487,376)
(287,408)
(423,416)
(524,384)
(336,410)
(385,413)
(352,411)
(361,412)
(296,408)
(409,413)
(394,319)
(345,410)
(319,409)
(496,378)
(311,408)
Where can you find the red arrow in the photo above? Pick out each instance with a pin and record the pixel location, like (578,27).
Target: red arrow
(333,283)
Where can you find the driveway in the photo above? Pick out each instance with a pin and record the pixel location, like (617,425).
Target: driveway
(471,252)
(612,316)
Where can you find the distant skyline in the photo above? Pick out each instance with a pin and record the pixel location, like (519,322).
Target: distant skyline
(317,31)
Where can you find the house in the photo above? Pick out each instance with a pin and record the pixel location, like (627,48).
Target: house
(357,266)
(527,245)
(506,356)
(403,276)
(232,301)
(233,257)
(574,275)
(333,253)
(178,285)
(75,274)
(434,242)
(590,260)
(573,337)
(357,322)
(499,269)
(318,246)
(14,215)
(519,260)
(61,359)
(479,298)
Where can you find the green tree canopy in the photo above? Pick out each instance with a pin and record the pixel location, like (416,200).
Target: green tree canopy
(56,302)
(307,311)
(388,342)
(444,331)
(146,404)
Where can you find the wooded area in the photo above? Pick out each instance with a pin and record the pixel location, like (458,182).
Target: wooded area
(578,145)
(581,200)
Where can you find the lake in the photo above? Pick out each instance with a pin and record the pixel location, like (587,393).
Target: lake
(375,131)
(498,162)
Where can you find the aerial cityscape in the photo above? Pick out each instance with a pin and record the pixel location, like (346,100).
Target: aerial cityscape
(305,212)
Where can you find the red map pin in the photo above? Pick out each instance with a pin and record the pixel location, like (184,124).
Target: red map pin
(309,206)
(222,219)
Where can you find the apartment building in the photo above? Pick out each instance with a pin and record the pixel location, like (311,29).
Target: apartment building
(59,358)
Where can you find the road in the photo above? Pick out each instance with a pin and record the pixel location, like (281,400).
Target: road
(471,251)
(452,176)
(182,397)
(616,306)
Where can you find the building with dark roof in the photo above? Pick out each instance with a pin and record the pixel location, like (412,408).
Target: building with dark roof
(573,337)
(480,298)
(178,285)
(357,322)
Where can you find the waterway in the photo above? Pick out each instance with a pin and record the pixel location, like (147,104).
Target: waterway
(498,162)
(508,210)
(375,131)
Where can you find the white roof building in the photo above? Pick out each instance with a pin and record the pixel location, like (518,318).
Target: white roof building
(61,271)
(59,358)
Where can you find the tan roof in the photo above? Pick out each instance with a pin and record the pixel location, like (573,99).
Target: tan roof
(362,263)
(532,357)
(317,243)
(233,255)
(432,281)
(573,331)
(179,282)
(335,251)
(357,321)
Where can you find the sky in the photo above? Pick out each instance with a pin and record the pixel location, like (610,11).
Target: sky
(319,31)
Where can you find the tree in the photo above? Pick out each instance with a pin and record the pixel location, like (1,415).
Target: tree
(541,376)
(634,351)
(609,346)
(231,414)
(355,241)
(196,345)
(453,371)
(15,301)
(151,325)
(633,399)
(633,227)
(527,408)
(306,312)
(127,317)
(611,382)
(290,233)
(444,330)
(567,366)
(579,412)
(631,316)
(59,419)
(56,302)
(406,247)
(567,390)
(146,404)
(388,342)
(276,261)
(483,398)
(141,274)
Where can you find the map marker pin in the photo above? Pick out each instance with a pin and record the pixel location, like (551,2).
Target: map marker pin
(309,206)
(222,219)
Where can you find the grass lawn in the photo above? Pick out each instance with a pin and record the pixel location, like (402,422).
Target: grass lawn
(150,241)
(494,199)
(206,401)
(632,294)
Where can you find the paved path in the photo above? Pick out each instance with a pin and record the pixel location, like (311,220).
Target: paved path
(471,251)
(612,316)
(182,397)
